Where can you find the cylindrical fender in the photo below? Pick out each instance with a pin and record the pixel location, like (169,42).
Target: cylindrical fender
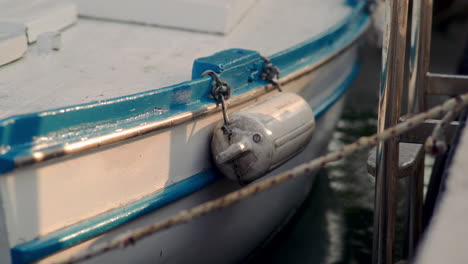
(263,136)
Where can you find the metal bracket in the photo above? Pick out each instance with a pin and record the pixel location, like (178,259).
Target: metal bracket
(409,157)
(446,84)
(420,133)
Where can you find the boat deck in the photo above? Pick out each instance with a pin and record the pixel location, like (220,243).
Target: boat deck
(100,59)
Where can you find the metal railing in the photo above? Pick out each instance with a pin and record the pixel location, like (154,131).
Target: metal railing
(420,84)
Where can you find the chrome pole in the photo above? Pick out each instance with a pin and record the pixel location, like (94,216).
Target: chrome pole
(391,88)
(419,59)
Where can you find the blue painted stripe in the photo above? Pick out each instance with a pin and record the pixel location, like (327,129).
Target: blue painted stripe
(67,237)
(324,105)
(19,134)
(325,44)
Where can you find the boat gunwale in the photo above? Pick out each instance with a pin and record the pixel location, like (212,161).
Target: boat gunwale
(141,130)
(28,158)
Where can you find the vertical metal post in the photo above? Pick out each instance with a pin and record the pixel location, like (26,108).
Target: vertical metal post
(419,59)
(415,199)
(391,88)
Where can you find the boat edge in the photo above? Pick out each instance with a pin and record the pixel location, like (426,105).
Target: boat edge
(13,160)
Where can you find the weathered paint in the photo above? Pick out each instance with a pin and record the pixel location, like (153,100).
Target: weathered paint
(24,134)
(246,63)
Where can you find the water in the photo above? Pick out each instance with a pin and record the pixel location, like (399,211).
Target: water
(334,225)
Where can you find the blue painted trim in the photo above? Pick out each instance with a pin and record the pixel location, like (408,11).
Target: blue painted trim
(325,44)
(64,238)
(23,134)
(67,237)
(324,105)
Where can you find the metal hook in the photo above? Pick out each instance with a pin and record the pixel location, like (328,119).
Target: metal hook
(221,91)
(219,87)
(271,73)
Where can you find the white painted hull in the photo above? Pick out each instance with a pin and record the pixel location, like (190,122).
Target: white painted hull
(77,175)
(229,235)
(226,236)
(125,172)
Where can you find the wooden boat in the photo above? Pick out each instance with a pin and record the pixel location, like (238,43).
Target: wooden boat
(101,132)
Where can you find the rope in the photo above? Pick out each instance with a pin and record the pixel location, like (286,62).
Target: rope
(436,143)
(185,216)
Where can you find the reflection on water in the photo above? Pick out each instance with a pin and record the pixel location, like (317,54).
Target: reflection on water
(353,186)
(334,225)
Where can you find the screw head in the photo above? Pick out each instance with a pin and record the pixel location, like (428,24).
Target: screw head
(257,138)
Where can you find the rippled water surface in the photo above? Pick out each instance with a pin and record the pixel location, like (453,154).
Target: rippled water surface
(334,225)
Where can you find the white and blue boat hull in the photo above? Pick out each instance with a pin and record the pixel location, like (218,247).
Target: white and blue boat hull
(110,174)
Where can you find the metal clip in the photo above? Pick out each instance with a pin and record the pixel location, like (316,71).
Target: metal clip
(270,73)
(221,91)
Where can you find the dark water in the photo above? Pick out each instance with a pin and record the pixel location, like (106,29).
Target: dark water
(334,225)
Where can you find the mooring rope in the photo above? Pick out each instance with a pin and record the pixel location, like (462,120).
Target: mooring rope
(436,144)
(454,104)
